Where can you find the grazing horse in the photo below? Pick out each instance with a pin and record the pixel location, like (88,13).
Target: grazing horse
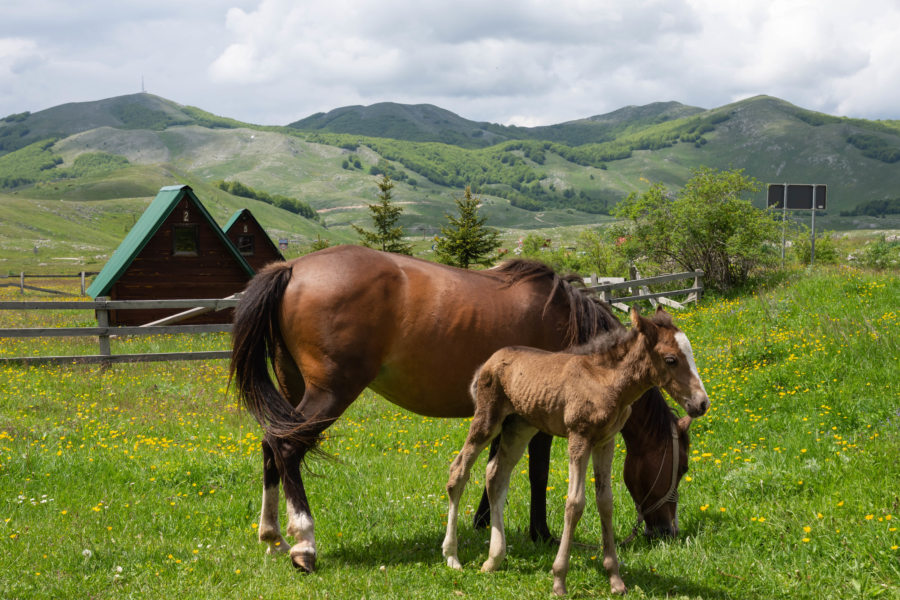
(584,394)
(345,318)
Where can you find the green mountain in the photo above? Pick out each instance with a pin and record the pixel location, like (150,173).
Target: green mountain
(428,123)
(113,155)
(135,111)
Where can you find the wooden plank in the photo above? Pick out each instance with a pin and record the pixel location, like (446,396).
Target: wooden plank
(653,295)
(35,332)
(117,358)
(646,281)
(214,303)
(671,303)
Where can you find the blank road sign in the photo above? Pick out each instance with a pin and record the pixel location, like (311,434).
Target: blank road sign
(799,196)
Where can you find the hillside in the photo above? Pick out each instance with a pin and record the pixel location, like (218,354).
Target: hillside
(122,150)
(427,123)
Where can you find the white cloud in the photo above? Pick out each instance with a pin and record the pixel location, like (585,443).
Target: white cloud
(524,61)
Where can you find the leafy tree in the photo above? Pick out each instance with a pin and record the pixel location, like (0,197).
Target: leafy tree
(705,226)
(320,243)
(387,236)
(466,240)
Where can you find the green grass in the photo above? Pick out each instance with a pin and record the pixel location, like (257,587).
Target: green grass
(143,481)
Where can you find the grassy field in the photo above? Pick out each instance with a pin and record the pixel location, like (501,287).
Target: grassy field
(143,481)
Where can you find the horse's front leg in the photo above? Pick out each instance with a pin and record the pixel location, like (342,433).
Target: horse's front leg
(269,529)
(538,472)
(579,455)
(514,437)
(603,457)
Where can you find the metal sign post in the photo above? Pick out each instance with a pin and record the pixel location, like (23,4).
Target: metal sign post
(812,240)
(797,197)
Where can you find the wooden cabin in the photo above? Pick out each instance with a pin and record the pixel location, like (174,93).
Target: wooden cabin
(251,240)
(174,251)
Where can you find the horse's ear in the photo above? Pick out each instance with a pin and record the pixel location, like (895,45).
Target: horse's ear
(635,315)
(643,325)
(683,424)
(662,317)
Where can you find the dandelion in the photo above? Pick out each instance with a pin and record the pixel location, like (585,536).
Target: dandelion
(87,553)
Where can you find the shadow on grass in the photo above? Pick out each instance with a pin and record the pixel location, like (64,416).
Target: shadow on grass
(523,556)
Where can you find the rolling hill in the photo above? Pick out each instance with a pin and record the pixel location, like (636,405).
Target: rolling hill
(114,154)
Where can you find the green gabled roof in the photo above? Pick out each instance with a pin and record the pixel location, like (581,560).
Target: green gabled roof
(236,216)
(144,230)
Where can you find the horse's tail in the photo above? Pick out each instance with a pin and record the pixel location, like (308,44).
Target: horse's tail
(255,339)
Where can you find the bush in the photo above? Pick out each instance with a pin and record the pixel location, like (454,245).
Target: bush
(705,226)
(881,254)
(826,249)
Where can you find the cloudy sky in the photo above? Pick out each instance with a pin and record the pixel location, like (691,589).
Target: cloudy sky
(529,62)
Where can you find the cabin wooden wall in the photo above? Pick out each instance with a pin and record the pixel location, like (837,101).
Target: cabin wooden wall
(157,273)
(264,250)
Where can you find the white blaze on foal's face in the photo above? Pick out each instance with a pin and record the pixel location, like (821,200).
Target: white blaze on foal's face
(698,398)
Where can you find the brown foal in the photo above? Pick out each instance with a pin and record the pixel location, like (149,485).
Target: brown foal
(584,394)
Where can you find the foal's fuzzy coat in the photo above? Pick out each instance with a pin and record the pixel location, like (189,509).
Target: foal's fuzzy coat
(585,395)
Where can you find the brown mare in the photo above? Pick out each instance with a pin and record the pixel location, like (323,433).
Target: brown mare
(337,321)
(584,394)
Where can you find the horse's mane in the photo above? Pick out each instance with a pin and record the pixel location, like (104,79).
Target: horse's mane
(588,315)
(601,344)
(651,417)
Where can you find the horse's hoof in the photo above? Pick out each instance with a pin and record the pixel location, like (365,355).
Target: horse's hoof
(559,587)
(617,586)
(304,560)
(490,565)
(277,547)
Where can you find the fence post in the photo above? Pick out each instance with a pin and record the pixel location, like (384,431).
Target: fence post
(22,282)
(103,322)
(82,283)
(695,296)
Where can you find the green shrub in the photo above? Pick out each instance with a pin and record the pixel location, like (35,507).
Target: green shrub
(881,254)
(826,249)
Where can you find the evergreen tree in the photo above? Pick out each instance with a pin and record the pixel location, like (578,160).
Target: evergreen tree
(466,240)
(387,236)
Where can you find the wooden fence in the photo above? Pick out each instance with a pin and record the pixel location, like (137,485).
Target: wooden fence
(23,286)
(103,331)
(639,289)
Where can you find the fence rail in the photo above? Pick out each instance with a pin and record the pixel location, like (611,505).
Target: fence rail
(643,290)
(104,332)
(23,286)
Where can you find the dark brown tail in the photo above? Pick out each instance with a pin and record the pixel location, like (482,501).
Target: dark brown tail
(256,334)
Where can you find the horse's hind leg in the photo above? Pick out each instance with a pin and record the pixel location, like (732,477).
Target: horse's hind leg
(269,529)
(514,437)
(484,427)
(315,413)
(538,471)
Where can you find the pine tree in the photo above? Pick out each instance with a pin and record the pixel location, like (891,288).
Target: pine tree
(466,240)
(387,236)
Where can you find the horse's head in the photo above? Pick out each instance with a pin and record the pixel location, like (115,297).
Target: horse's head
(672,360)
(653,470)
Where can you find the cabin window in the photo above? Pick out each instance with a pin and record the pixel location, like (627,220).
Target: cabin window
(245,245)
(184,238)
